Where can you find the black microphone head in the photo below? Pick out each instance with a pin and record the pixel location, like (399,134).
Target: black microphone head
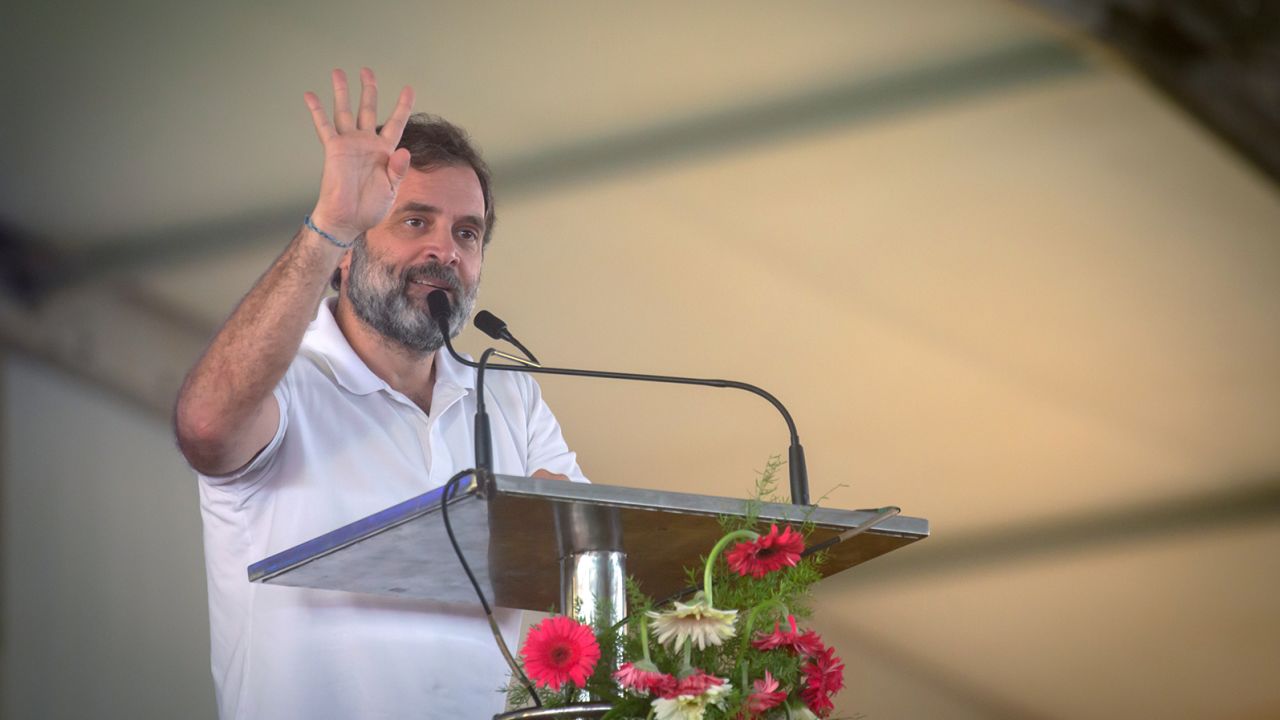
(438,305)
(490,325)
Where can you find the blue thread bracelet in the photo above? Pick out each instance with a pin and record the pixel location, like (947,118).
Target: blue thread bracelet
(312,227)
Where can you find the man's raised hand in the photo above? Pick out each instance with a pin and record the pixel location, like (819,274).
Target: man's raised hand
(362,167)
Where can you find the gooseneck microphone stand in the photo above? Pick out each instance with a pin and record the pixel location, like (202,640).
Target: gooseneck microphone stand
(439,306)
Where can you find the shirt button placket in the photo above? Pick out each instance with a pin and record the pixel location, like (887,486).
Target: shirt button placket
(422,425)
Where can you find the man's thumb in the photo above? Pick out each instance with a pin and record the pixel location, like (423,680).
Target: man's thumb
(397,166)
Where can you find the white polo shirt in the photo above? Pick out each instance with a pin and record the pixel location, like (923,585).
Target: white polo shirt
(348,446)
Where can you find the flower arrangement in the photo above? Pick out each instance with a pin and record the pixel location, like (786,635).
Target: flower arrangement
(735,650)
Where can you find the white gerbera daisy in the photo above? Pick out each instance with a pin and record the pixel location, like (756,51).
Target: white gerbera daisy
(697,622)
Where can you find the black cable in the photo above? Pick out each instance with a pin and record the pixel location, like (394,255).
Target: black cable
(449,491)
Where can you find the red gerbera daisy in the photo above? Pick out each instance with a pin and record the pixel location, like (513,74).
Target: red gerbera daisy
(765,695)
(559,650)
(643,677)
(766,553)
(695,684)
(803,643)
(823,678)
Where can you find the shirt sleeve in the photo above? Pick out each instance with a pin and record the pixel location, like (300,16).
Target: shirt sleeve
(261,464)
(547,448)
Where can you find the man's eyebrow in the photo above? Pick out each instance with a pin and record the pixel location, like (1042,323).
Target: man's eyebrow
(474,220)
(418,207)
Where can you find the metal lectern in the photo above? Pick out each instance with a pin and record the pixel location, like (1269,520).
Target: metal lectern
(535,544)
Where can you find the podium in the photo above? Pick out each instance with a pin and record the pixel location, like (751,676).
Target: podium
(536,544)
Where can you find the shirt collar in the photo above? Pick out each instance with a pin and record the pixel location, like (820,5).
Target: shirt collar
(325,339)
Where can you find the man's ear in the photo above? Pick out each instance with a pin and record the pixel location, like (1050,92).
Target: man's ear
(344,267)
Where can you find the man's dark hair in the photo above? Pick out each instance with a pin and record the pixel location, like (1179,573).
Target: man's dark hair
(434,142)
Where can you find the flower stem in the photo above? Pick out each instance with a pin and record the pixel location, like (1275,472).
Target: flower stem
(686,662)
(751,623)
(715,552)
(644,637)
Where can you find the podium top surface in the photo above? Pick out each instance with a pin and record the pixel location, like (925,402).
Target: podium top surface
(514,536)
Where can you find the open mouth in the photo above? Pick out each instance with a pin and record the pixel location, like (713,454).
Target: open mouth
(433,284)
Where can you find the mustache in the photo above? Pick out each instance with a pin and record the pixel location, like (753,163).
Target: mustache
(436,274)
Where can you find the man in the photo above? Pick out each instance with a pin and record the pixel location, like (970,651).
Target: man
(300,420)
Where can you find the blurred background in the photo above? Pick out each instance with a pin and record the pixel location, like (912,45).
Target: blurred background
(1014,267)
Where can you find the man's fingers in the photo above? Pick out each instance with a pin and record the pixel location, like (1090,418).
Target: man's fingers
(394,127)
(324,128)
(368,117)
(342,119)
(546,474)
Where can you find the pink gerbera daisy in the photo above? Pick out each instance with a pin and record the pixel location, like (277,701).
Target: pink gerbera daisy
(765,695)
(823,678)
(803,643)
(766,553)
(559,650)
(696,684)
(643,676)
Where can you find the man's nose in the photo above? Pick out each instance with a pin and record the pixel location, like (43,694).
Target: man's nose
(440,246)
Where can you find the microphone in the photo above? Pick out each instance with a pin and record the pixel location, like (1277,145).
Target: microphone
(491,325)
(438,301)
(438,306)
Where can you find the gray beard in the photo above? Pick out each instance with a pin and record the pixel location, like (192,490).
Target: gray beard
(380,298)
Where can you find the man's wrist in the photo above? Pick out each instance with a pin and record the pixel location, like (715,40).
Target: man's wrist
(318,224)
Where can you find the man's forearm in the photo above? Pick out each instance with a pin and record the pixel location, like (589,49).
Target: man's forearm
(225,413)
(218,417)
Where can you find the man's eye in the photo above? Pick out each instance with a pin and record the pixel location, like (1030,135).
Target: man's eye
(415,223)
(468,235)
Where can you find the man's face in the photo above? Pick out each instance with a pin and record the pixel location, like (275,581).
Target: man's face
(433,238)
